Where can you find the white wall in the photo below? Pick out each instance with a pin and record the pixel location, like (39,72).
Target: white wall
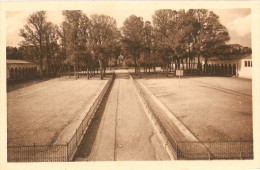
(245,72)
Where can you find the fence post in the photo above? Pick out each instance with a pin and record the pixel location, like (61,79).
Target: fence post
(82,127)
(177,154)
(240,151)
(68,151)
(34,145)
(209,150)
(76,137)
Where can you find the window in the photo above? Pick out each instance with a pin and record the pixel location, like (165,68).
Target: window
(248,63)
(251,64)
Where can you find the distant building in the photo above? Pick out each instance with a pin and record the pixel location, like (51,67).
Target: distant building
(121,61)
(20,70)
(238,65)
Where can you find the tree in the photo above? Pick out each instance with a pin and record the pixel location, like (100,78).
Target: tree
(164,22)
(208,33)
(147,44)
(115,50)
(75,34)
(63,52)
(214,36)
(52,59)
(184,35)
(103,34)
(29,53)
(132,38)
(183,41)
(12,53)
(34,34)
(40,42)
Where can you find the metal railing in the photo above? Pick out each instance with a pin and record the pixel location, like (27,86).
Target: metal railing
(57,153)
(238,149)
(195,150)
(36,153)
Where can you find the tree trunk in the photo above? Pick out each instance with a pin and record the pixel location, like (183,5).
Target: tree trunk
(69,71)
(189,64)
(101,69)
(145,64)
(167,69)
(104,71)
(206,65)
(138,63)
(88,72)
(110,64)
(40,70)
(75,74)
(79,70)
(54,69)
(149,65)
(135,64)
(199,66)
(41,56)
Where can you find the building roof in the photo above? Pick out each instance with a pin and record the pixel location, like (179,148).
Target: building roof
(232,57)
(18,62)
(249,56)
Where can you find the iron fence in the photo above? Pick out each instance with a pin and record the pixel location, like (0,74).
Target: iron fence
(196,150)
(57,153)
(36,153)
(239,149)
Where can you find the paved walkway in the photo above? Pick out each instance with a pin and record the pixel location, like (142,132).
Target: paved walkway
(125,133)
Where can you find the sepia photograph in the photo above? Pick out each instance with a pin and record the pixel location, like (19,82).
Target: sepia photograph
(150,82)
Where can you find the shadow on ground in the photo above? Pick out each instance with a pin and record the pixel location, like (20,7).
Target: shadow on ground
(11,86)
(88,140)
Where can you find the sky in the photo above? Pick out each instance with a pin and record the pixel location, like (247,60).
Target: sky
(237,21)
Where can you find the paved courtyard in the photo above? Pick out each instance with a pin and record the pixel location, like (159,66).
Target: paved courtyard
(209,108)
(49,112)
(212,108)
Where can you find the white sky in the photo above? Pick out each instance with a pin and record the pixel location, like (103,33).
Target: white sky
(237,21)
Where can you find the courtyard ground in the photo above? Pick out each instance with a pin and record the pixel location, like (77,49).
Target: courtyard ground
(49,112)
(212,108)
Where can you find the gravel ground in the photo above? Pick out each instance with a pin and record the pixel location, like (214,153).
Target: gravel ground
(49,112)
(125,132)
(212,108)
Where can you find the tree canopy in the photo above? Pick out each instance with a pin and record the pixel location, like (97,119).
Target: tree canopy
(83,42)
(132,37)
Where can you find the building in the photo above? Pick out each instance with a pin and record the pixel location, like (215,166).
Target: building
(20,70)
(238,65)
(121,61)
